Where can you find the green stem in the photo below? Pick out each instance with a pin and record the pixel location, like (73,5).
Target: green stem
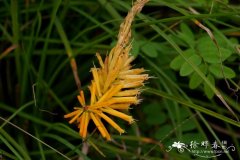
(15,38)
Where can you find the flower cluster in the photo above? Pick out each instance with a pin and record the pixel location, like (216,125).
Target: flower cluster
(115,85)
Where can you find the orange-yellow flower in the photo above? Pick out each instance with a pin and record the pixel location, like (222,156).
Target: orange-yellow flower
(108,99)
(115,85)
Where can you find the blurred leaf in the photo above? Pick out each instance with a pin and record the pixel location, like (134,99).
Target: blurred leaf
(96,148)
(236,19)
(224,44)
(186,34)
(186,30)
(163,131)
(178,61)
(188,126)
(152,108)
(188,137)
(233,41)
(156,118)
(154,114)
(135,48)
(207,90)
(195,79)
(113,43)
(184,114)
(218,70)
(150,49)
(67,144)
(177,40)
(204,2)
(209,51)
(186,69)
(225,1)
(163,48)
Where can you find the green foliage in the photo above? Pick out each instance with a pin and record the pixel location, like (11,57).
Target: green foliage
(209,93)
(186,68)
(195,79)
(186,35)
(154,114)
(150,49)
(206,53)
(147,47)
(178,61)
(210,52)
(220,71)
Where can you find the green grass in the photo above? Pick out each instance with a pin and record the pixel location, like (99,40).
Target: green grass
(37,85)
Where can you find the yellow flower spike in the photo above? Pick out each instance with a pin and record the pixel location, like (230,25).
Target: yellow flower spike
(132,71)
(104,75)
(133,100)
(125,55)
(98,125)
(101,104)
(135,77)
(133,84)
(127,50)
(126,68)
(115,59)
(76,116)
(129,60)
(79,121)
(100,60)
(113,73)
(96,80)
(87,119)
(120,106)
(101,78)
(93,93)
(118,114)
(80,99)
(110,56)
(131,92)
(106,69)
(108,137)
(115,85)
(114,100)
(110,78)
(72,113)
(83,98)
(112,123)
(112,91)
(82,124)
